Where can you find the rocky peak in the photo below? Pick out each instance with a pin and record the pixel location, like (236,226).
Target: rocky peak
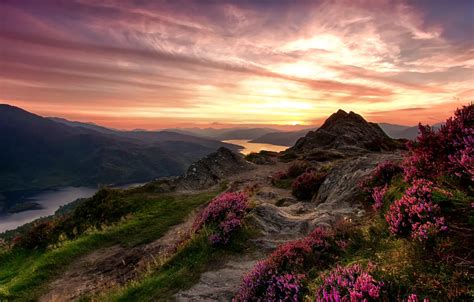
(211,169)
(346,131)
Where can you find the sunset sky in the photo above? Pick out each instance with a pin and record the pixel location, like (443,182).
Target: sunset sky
(156,64)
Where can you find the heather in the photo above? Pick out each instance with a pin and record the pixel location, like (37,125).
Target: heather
(449,150)
(307,184)
(415,215)
(382,175)
(281,276)
(375,185)
(284,179)
(223,216)
(351,283)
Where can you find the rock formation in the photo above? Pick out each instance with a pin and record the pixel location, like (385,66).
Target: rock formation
(211,169)
(348,132)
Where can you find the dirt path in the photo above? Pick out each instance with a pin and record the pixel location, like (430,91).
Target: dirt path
(113,266)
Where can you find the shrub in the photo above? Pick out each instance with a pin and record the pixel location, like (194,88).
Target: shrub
(279,277)
(378,194)
(307,184)
(278,177)
(352,283)
(286,287)
(39,236)
(415,214)
(296,169)
(382,175)
(448,150)
(223,216)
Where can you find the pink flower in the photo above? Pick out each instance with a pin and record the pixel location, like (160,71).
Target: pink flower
(279,277)
(352,283)
(223,216)
(415,214)
(448,150)
(378,194)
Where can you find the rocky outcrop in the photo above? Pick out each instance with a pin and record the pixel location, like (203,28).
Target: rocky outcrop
(341,184)
(346,132)
(213,168)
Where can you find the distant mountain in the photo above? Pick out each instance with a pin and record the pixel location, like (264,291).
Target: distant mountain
(399,131)
(225,134)
(90,126)
(250,133)
(38,152)
(282,138)
(393,130)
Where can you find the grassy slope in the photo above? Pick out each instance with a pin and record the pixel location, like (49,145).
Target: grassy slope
(181,271)
(24,274)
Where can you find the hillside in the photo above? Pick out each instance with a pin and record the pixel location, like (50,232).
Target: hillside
(281,138)
(44,153)
(377,223)
(226,133)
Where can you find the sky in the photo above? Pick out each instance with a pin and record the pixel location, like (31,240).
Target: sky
(289,64)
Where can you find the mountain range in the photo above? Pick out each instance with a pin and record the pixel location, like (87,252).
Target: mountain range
(50,152)
(227,133)
(40,152)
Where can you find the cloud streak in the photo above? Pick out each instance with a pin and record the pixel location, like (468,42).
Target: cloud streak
(233,62)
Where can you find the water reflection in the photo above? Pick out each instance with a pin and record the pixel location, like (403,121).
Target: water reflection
(250,147)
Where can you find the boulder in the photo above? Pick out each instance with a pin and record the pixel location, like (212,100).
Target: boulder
(341,186)
(213,168)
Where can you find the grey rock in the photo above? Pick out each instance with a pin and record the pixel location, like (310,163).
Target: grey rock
(220,284)
(213,168)
(341,184)
(284,202)
(347,132)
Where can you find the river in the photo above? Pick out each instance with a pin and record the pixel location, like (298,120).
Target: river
(249,147)
(49,200)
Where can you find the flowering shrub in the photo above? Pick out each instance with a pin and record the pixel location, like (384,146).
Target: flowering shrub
(415,214)
(296,169)
(279,277)
(460,132)
(378,194)
(381,176)
(352,283)
(448,150)
(277,177)
(224,215)
(307,184)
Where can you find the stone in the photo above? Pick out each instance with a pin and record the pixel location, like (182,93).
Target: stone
(213,168)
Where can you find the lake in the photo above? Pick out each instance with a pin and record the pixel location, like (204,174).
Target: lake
(249,147)
(50,201)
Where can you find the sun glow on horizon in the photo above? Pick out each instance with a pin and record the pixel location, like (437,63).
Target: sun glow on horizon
(152,65)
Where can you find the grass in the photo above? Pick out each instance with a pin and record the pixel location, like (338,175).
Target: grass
(24,273)
(181,271)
